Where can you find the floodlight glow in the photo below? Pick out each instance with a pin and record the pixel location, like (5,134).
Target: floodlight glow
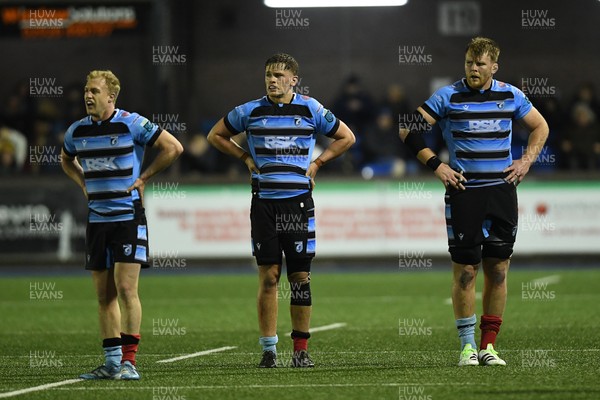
(333,3)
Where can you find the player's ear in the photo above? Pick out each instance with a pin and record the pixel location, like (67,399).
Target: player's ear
(494,68)
(294,80)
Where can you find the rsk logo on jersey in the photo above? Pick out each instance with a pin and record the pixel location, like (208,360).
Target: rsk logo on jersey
(101,164)
(489,125)
(280,142)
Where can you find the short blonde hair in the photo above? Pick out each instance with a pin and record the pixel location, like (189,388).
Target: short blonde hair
(480,46)
(112,82)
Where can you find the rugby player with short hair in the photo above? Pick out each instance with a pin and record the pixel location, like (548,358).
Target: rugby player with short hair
(475,115)
(103,154)
(281,129)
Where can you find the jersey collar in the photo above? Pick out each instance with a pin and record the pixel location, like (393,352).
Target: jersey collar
(272,102)
(104,121)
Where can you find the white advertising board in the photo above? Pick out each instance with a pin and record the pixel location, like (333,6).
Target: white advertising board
(368,219)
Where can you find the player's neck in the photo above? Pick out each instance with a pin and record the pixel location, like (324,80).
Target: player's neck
(105,115)
(285,99)
(483,88)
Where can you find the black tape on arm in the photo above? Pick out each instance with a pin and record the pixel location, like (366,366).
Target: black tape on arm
(414,140)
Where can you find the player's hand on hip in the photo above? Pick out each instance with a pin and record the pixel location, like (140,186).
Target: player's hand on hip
(517,171)
(450,177)
(311,172)
(251,166)
(139,185)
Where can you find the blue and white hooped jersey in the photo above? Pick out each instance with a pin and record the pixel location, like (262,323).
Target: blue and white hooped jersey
(111,154)
(477,127)
(281,138)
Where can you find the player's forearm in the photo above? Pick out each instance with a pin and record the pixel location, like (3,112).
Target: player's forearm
(165,158)
(536,142)
(415,142)
(226,145)
(74,171)
(337,148)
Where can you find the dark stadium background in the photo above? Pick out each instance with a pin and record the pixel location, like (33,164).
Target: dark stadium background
(218,50)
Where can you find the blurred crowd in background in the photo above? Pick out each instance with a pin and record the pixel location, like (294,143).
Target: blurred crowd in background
(32,129)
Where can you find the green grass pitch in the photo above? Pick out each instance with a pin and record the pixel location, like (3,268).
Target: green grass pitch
(398,342)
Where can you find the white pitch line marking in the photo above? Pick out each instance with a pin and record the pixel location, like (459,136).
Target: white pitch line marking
(547,279)
(200,353)
(329,327)
(38,388)
(273,386)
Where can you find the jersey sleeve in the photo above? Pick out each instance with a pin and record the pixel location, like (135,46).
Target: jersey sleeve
(68,145)
(144,131)
(326,123)
(437,104)
(237,119)
(522,103)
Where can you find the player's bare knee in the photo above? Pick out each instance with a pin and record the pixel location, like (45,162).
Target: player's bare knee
(268,283)
(498,276)
(127,292)
(269,278)
(467,276)
(106,301)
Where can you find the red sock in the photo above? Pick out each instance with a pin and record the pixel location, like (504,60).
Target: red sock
(300,344)
(129,346)
(300,340)
(490,326)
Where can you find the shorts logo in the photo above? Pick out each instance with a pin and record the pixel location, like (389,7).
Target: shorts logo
(299,246)
(461,236)
(514,231)
(84,142)
(258,246)
(127,249)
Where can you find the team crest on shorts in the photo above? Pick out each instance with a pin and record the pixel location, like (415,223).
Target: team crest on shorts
(299,246)
(127,249)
